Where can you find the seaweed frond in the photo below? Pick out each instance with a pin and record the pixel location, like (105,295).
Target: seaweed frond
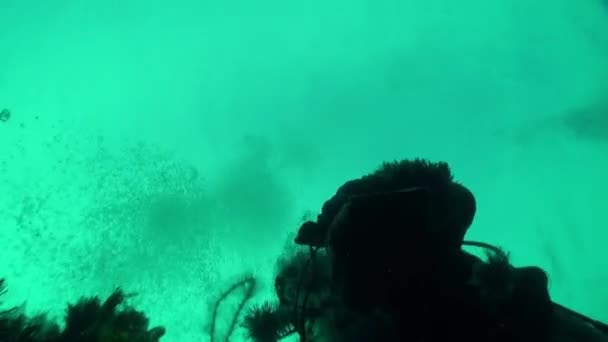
(267,323)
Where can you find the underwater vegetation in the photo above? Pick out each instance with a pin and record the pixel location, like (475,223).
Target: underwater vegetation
(93,320)
(89,320)
(248,285)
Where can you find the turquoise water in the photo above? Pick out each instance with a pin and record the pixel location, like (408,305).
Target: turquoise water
(172,147)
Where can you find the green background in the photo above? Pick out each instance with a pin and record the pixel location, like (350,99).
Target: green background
(171,147)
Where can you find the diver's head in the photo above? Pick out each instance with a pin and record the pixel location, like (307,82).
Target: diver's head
(373,240)
(406,218)
(452,205)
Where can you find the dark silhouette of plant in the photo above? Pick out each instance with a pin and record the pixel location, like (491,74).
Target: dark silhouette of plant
(249,285)
(268,322)
(89,320)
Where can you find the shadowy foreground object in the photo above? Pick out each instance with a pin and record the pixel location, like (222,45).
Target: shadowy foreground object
(384,261)
(89,320)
